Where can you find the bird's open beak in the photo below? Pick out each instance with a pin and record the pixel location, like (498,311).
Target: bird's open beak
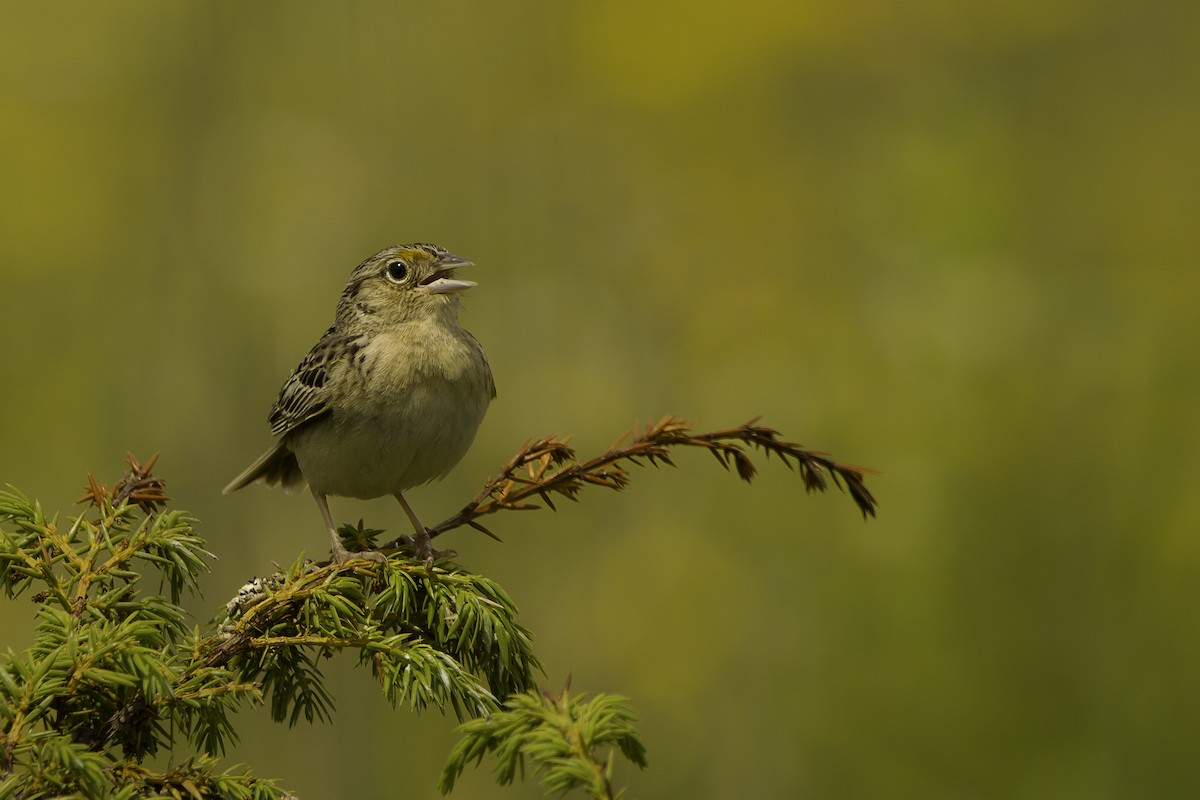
(442,280)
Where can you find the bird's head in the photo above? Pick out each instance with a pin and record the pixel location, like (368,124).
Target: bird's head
(404,283)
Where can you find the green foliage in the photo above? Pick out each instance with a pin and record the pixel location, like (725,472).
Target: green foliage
(115,675)
(436,637)
(559,735)
(112,675)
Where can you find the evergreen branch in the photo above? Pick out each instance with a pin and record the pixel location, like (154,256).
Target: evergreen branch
(114,675)
(548,467)
(196,778)
(23,554)
(429,635)
(102,686)
(560,735)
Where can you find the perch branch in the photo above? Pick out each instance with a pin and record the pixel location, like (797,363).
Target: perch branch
(548,467)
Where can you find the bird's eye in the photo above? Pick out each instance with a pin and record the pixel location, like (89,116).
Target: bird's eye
(397,271)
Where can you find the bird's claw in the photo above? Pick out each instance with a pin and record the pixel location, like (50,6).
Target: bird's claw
(342,555)
(423,550)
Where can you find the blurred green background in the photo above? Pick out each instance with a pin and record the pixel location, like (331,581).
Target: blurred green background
(953,241)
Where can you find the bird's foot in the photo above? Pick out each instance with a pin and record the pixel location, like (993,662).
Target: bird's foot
(341,555)
(422,548)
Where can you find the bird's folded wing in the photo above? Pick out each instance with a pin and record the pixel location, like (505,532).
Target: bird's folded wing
(305,395)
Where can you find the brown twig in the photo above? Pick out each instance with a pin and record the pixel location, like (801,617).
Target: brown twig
(139,484)
(548,466)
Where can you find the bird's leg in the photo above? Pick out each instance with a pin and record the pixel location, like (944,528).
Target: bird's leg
(420,540)
(340,554)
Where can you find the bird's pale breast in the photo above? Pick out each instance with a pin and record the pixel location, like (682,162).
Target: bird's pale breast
(408,412)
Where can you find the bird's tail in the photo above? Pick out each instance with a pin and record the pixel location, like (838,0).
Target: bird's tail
(277,466)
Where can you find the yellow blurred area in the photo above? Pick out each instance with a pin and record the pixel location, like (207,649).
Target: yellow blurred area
(952,241)
(676,51)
